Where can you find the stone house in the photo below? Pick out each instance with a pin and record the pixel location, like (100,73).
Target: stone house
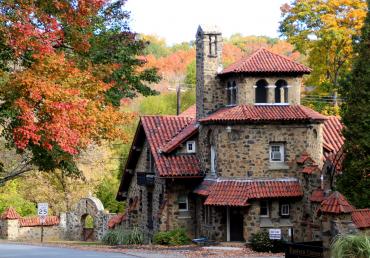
(247,157)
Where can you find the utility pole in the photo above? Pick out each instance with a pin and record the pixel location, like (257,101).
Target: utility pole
(178,98)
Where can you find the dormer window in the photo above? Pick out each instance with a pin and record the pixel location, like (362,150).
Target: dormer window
(276,152)
(190,147)
(231,93)
(261,91)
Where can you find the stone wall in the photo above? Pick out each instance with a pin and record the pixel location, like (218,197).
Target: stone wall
(244,152)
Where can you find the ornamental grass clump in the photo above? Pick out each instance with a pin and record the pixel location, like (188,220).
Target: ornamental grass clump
(119,236)
(173,237)
(351,246)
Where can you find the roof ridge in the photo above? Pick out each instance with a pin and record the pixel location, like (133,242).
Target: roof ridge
(286,58)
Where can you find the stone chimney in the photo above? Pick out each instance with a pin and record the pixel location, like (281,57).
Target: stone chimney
(209,93)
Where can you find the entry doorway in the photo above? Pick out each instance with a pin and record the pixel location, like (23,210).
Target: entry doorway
(235,224)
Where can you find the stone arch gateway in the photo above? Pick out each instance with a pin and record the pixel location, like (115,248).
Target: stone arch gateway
(88,206)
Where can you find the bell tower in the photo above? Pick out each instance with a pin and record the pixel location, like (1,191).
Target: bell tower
(209,92)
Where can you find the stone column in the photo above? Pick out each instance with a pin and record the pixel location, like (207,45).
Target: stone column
(271,93)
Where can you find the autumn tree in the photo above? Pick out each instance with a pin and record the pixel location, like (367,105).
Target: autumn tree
(323,30)
(355,179)
(65,66)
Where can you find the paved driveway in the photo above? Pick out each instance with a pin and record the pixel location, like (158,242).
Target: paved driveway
(25,251)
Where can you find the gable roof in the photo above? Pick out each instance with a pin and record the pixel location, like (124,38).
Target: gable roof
(190,112)
(227,192)
(160,130)
(336,203)
(361,218)
(265,61)
(10,214)
(264,113)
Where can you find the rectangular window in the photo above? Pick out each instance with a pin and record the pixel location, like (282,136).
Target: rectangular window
(213,161)
(264,208)
(190,146)
(231,93)
(183,202)
(284,209)
(276,152)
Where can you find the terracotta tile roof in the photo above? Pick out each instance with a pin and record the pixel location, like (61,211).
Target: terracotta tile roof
(190,112)
(181,137)
(361,218)
(159,130)
(35,221)
(204,188)
(332,133)
(304,158)
(115,220)
(317,196)
(265,61)
(237,192)
(309,170)
(264,113)
(336,203)
(10,214)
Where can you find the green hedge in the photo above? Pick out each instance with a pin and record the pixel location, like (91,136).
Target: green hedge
(173,237)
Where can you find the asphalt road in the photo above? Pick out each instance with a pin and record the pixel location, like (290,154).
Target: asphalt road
(25,251)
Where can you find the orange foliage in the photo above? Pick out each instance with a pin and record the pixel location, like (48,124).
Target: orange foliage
(58,104)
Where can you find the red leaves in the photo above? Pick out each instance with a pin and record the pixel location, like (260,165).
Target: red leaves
(39,26)
(59,104)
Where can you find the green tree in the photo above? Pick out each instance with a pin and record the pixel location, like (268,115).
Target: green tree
(190,77)
(323,30)
(354,182)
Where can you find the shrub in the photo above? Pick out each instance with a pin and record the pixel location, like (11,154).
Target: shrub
(119,236)
(351,246)
(260,242)
(173,237)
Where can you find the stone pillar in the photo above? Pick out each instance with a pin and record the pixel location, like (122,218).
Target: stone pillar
(209,92)
(271,94)
(11,229)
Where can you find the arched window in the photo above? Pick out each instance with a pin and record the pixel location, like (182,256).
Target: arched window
(231,93)
(261,91)
(281,91)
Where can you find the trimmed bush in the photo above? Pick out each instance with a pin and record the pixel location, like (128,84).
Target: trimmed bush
(173,237)
(119,236)
(260,242)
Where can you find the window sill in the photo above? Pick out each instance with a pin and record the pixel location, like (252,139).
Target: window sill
(278,166)
(184,217)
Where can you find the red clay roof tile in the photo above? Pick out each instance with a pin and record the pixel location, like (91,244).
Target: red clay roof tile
(265,61)
(10,214)
(332,133)
(361,218)
(115,220)
(309,170)
(317,196)
(182,136)
(35,221)
(238,192)
(159,131)
(336,203)
(190,112)
(264,113)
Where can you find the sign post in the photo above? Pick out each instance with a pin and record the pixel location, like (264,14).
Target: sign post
(42,211)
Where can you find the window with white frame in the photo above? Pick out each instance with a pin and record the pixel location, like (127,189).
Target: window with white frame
(264,208)
(276,152)
(284,209)
(183,202)
(190,146)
